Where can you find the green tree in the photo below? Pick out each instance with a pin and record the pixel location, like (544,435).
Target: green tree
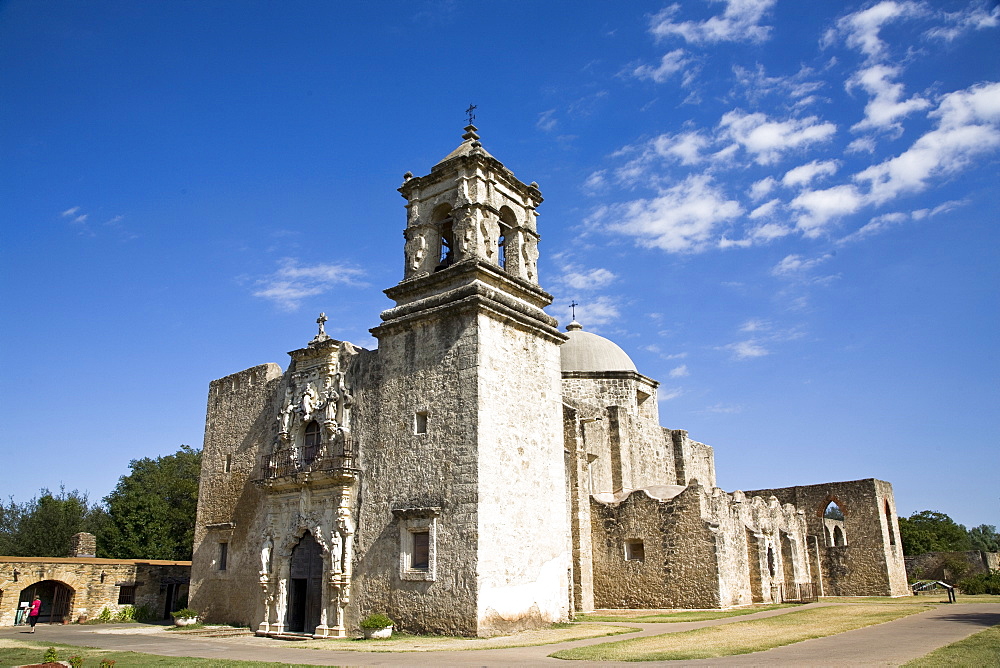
(931,531)
(44,526)
(985,537)
(151,512)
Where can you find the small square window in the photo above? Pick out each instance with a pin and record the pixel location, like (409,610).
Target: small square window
(223,556)
(421,550)
(420,422)
(635,550)
(418,543)
(126,595)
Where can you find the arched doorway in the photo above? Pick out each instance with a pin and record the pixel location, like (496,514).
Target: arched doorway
(57,600)
(305,586)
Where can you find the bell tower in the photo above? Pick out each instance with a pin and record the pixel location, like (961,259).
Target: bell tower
(471,469)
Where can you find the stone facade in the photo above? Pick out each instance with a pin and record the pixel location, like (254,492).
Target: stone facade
(75,588)
(481,471)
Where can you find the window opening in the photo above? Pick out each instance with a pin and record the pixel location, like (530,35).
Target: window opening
(635,550)
(770,561)
(888,522)
(420,422)
(311,441)
(229,463)
(838,537)
(126,595)
(421,550)
(447,244)
(833,512)
(223,556)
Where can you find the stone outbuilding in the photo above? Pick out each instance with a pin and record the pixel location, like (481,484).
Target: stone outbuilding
(80,586)
(482,471)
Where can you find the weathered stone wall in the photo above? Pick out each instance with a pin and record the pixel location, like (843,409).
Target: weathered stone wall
(91,592)
(428,367)
(239,427)
(871,563)
(524,537)
(950,566)
(679,568)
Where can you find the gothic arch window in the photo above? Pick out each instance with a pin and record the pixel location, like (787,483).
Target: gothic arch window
(507,224)
(833,512)
(838,537)
(311,437)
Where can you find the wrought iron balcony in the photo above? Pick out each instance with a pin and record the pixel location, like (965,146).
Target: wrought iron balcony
(294,463)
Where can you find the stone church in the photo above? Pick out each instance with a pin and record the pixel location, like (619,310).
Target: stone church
(483,471)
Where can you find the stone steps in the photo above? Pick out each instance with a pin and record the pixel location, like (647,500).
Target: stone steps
(217,632)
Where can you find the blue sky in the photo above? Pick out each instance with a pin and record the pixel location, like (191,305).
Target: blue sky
(784,211)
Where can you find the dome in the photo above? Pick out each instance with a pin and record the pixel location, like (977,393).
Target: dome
(589,352)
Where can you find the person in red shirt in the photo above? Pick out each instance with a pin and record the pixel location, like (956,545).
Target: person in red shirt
(36,607)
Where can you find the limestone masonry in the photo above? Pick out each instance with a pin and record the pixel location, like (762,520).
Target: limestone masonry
(482,471)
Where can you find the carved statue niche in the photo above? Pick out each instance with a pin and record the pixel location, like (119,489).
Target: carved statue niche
(285,415)
(331,402)
(309,402)
(529,251)
(265,558)
(465,235)
(415,250)
(490,230)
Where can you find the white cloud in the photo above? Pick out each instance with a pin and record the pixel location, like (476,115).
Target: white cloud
(70,212)
(861,29)
(749,349)
(765,210)
(769,231)
(665,394)
(680,219)
(876,225)
(967,127)
(761,189)
(292,283)
(767,139)
(803,175)
(755,325)
(794,265)
(885,107)
(683,146)
(861,145)
(972,18)
(671,63)
(722,409)
(755,84)
(576,277)
(596,181)
(818,207)
(546,121)
(680,371)
(739,22)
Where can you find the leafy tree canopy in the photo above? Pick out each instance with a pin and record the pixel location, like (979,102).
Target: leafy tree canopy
(152,510)
(985,537)
(931,531)
(44,526)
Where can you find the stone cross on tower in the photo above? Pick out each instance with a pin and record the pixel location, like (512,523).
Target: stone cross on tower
(572,305)
(471,112)
(321,335)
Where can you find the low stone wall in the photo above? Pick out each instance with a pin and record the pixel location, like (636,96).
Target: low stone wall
(88,585)
(950,566)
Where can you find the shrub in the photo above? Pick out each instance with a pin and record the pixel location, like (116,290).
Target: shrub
(50,655)
(376,621)
(105,616)
(107,663)
(983,583)
(75,661)
(186,613)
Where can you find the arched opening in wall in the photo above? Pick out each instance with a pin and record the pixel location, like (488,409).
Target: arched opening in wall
(311,438)
(753,559)
(827,536)
(838,537)
(833,512)
(305,585)
(507,223)
(56,597)
(443,222)
(889,523)
(788,566)
(770,562)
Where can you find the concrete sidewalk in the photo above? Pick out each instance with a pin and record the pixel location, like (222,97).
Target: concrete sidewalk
(886,644)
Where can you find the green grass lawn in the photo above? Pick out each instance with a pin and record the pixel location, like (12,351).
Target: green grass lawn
(922,599)
(744,637)
(979,649)
(683,616)
(18,652)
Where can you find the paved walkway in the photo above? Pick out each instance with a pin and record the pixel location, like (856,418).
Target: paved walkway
(888,644)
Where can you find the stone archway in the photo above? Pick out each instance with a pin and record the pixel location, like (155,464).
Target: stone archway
(305,586)
(57,600)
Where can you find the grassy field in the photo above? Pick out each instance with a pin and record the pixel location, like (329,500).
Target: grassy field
(979,649)
(648,616)
(19,652)
(744,637)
